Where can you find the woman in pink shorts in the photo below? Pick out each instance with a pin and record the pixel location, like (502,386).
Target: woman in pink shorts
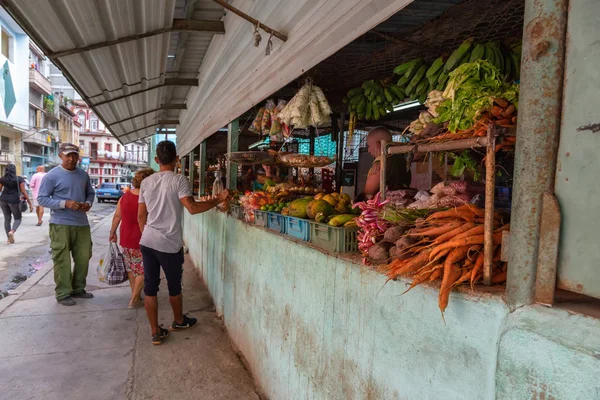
(126,216)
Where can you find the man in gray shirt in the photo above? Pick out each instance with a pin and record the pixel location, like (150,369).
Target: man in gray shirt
(162,198)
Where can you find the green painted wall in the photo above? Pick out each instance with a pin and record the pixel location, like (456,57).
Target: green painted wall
(315,326)
(156,139)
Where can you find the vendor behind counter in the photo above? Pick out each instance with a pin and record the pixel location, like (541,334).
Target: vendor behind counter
(398,175)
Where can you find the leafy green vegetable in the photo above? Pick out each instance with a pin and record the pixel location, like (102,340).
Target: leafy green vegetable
(470,91)
(464,161)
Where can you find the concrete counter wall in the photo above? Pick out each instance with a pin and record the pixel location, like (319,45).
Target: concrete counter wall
(312,325)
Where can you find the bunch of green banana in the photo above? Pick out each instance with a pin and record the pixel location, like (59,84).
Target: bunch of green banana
(373,99)
(418,79)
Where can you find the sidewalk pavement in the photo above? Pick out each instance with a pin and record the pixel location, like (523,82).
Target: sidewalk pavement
(100,349)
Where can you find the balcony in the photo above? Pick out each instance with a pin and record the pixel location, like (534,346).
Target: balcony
(38,138)
(39,82)
(104,156)
(6,157)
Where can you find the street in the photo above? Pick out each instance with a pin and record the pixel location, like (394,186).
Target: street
(100,349)
(31,249)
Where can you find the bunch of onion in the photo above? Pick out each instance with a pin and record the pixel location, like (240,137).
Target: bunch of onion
(371,227)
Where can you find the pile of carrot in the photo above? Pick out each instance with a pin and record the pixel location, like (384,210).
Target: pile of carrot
(447,246)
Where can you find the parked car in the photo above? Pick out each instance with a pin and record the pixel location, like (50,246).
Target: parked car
(108,191)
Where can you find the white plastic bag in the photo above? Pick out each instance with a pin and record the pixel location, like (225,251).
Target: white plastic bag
(104,264)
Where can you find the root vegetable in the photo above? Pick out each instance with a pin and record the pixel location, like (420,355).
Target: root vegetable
(499,277)
(379,252)
(394,233)
(414,264)
(477,230)
(437,272)
(466,241)
(451,275)
(438,231)
(476,269)
(454,233)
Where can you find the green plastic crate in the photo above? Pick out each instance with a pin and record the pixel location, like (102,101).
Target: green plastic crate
(336,240)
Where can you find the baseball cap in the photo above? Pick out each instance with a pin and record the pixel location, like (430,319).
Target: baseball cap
(68,148)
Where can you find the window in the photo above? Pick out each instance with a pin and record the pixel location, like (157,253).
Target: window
(107,171)
(94,150)
(81,143)
(118,148)
(7,43)
(4,143)
(81,119)
(107,147)
(93,123)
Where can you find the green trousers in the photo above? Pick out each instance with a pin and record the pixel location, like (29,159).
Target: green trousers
(67,241)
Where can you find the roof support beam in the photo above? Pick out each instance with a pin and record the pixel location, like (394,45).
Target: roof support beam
(168,121)
(253,21)
(179,25)
(175,122)
(135,116)
(168,82)
(174,106)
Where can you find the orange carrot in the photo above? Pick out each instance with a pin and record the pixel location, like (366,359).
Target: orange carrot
(415,263)
(476,269)
(466,274)
(466,241)
(437,272)
(441,254)
(503,228)
(437,231)
(454,233)
(451,274)
(421,277)
(501,102)
(499,277)
(497,255)
(509,111)
(477,230)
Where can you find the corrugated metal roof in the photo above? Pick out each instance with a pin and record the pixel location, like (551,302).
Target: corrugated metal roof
(233,75)
(109,72)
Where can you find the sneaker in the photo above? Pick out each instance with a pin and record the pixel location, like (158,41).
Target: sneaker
(82,295)
(11,237)
(67,301)
(160,337)
(188,322)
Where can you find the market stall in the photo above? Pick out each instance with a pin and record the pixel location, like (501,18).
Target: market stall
(320,306)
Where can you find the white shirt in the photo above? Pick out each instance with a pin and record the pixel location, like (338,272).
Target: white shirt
(161,192)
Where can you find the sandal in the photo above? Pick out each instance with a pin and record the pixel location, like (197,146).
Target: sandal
(11,237)
(39,223)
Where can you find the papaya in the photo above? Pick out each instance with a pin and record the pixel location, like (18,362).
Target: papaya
(318,206)
(330,199)
(297,208)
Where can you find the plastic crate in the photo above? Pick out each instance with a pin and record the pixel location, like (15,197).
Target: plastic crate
(297,228)
(260,218)
(276,222)
(236,211)
(336,240)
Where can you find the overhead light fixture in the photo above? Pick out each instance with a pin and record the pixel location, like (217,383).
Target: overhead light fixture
(171,56)
(408,104)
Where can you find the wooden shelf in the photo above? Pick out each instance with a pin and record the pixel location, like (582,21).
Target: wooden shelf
(459,144)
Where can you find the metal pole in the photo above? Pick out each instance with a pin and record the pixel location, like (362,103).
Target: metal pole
(538,130)
(490,186)
(191,168)
(232,146)
(383,168)
(253,21)
(311,146)
(201,168)
(339,131)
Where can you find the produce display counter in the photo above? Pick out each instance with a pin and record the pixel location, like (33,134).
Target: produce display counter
(489,142)
(317,324)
